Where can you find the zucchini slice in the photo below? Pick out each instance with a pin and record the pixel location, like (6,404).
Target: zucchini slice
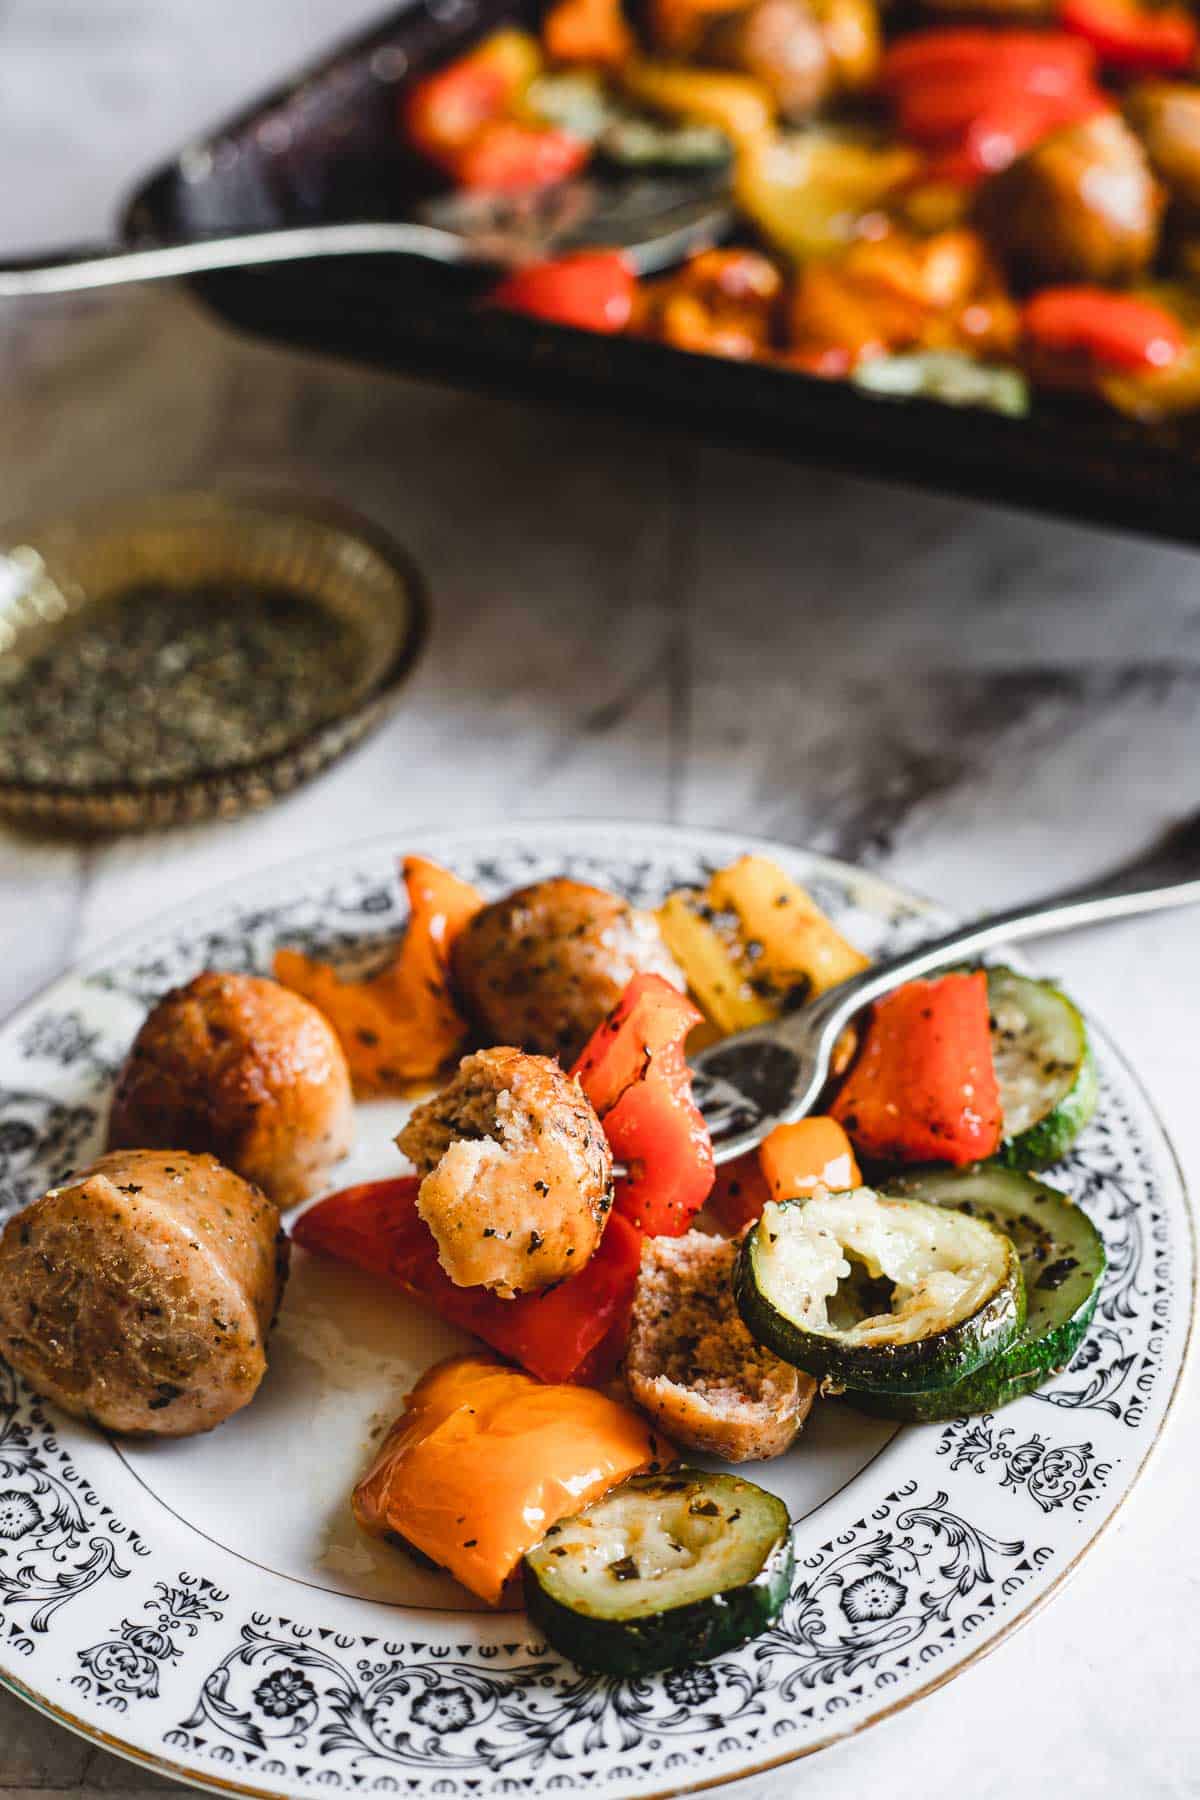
(1063,1262)
(1044,1066)
(664,1571)
(636,142)
(887,1295)
(579,102)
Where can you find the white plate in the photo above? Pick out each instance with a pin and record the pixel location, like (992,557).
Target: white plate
(207,1607)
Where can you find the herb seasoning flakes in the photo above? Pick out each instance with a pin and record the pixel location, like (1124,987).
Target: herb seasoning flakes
(163,682)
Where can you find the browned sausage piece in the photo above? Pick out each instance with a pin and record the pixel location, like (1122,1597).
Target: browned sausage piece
(1166,116)
(781,44)
(1081,206)
(244,1068)
(692,1365)
(140,1294)
(542,967)
(802,51)
(518,1172)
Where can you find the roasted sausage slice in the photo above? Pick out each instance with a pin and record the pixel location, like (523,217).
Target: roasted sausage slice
(141,1292)
(804,52)
(1081,206)
(542,967)
(693,1367)
(517,1172)
(244,1068)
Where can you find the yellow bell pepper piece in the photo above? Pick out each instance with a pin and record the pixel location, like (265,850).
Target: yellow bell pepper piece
(720,988)
(807,193)
(735,104)
(800,947)
(516,55)
(769,940)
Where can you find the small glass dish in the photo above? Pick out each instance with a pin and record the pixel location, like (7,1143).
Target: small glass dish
(192,655)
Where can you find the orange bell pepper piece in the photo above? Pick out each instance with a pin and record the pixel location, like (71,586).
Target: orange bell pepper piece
(483,1461)
(814,1152)
(591,32)
(791,1160)
(402,1025)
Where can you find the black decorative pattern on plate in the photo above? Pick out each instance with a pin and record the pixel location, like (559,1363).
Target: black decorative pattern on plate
(903,1585)
(58,1538)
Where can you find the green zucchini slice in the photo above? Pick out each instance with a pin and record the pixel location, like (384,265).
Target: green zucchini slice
(646,144)
(579,102)
(1044,1066)
(883,1294)
(664,1571)
(1063,1262)
(955,378)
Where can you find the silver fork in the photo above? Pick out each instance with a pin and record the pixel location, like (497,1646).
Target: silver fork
(655,220)
(773,1074)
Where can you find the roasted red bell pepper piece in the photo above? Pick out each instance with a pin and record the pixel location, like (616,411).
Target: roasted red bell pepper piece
(651,1016)
(979,98)
(506,157)
(441,113)
(568,1333)
(592,290)
(1014,124)
(952,52)
(1136,39)
(634,1072)
(923,1087)
(1114,331)
(739,1193)
(445,111)
(934,110)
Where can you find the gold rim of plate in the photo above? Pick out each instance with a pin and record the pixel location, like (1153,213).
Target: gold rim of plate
(53,570)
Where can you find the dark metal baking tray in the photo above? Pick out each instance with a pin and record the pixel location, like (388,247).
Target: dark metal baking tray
(326,146)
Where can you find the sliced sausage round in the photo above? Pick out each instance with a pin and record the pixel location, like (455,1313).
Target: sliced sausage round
(140,1293)
(517,1172)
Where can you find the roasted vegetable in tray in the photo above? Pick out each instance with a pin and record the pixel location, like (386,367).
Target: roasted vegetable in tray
(964,211)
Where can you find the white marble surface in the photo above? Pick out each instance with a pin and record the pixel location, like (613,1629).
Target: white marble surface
(981,703)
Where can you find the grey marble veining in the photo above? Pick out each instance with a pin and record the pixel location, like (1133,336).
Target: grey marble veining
(982,703)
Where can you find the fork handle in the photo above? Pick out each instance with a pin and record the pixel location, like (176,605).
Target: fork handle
(1165,876)
(75,271)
